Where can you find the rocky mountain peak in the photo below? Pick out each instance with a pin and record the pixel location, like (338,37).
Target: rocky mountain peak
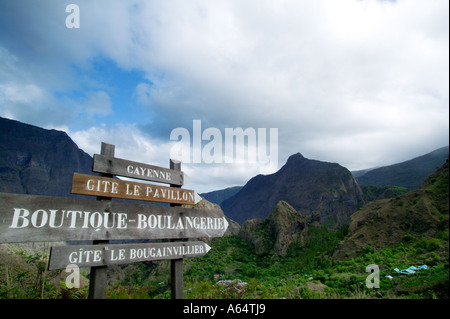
(295,161)
(295,157)
(307,185)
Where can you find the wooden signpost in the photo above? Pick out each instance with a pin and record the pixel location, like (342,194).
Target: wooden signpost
(98,274)
(110,187)
(43,218)
(121,167)
(176,265)
(102,255)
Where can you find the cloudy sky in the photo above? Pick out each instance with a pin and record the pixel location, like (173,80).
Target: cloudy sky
(360,83)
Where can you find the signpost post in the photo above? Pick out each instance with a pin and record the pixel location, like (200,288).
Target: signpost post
(176,265)
(44,218)
(98,275)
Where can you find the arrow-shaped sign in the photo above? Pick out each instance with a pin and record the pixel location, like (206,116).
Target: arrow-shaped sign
(44,218)
(122,167)
(110,187)
(102,255)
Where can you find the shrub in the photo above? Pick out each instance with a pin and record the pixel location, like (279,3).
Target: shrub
(407,238)
(429,244)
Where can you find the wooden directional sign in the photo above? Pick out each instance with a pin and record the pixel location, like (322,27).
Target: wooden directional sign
(44,218)
(111,187)
(121,167)
(102,255)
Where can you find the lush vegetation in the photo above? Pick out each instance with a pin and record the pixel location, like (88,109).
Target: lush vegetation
(371,193)
(231,269)
(312,272)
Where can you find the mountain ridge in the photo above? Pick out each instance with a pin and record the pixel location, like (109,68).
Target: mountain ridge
(38,161)
(218,196)
(307,185)
(409,174)
(385,189)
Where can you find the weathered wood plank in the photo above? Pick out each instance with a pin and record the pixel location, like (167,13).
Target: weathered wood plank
(122,167)
(101,255)
(98,275)
(176,265)
(103,186)
(26,218)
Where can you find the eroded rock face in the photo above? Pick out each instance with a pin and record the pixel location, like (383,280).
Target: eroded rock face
(276,233)
(286,225)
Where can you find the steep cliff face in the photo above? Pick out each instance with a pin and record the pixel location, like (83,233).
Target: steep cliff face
(38,161)
(308,185)
(276,233)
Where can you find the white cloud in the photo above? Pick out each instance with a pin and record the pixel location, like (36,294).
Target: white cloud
(130,143)
(31,104)
(95,103)
(16,93)
(362,83)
